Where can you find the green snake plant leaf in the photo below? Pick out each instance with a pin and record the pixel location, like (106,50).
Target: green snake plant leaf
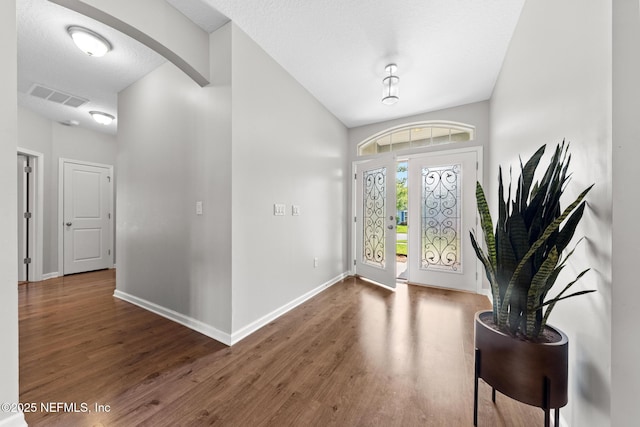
(519,239)
(527,173)
(537,291)
(566,234)
(487,225)
(488,268)
(503,312)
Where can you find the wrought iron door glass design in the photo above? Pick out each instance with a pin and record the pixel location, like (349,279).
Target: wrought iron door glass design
(441,221)
(374,213)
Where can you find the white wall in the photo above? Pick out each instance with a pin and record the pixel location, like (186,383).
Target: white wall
(57,141)
(8,220)
(287,148)
(625,351)
(556,83)
(251,138)
(174,148)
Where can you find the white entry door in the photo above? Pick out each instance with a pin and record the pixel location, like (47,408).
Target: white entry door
(86,218)
(442,211)
(376,220)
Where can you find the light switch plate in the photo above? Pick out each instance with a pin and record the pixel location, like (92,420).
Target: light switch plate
(279,209)
(295,210)
(199,207)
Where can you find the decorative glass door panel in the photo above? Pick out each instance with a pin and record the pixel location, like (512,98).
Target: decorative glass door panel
(440,218)
(442,211)
(375,220)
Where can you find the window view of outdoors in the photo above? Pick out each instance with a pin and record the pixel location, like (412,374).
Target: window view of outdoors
(401,218)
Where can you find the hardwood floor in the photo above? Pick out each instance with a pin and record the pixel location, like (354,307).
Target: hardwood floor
(355,355)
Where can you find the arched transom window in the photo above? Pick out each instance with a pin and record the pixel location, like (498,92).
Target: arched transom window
(416,135)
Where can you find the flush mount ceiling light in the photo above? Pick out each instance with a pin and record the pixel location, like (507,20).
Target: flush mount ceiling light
(390,83)
(90,42)
(102,118)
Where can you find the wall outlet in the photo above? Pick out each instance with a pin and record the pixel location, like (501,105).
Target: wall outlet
(295,210)
(199,207)
(315,262)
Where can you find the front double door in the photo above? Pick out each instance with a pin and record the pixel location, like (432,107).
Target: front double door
(442,212)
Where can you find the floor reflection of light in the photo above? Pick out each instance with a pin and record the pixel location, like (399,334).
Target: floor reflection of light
(410,330)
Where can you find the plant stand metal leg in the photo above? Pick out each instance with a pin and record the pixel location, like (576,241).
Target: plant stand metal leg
(556,421)
(546,396)
(493,395)
(475,389)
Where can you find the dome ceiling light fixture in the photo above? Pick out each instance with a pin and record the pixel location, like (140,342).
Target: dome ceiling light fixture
(102,118)
(90,42)
(390,84)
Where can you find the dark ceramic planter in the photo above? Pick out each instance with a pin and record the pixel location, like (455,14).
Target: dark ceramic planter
(532,373)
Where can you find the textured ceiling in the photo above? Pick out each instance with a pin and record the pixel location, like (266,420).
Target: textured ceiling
(200,13)
(47,56)
(448,52)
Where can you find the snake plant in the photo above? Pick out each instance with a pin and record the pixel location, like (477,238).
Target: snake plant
(526,253)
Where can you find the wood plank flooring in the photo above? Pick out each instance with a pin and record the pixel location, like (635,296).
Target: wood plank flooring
(355,355)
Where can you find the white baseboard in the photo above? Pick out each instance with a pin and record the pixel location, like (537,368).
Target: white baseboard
(264,320)
(487,293)
(15,420)
(47,276)
(187,321)
(214,333)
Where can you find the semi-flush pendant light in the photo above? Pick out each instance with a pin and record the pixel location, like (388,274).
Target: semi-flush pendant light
(90,42)
(390,83)
(102,118)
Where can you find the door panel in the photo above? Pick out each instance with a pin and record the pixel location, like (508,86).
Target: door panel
(442,211)
(376,221)
(87,223)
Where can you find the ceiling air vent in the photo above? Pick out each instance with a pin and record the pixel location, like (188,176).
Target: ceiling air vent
(56,96)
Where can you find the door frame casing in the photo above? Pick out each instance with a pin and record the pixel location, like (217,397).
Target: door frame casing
(61,163)
(36,202)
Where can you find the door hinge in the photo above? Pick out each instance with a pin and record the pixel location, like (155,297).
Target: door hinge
(477,165)
(354,262)
(27,260)
(108,251)
(28,169)
(355,219)
(109,215)
(27,215)
(355,176)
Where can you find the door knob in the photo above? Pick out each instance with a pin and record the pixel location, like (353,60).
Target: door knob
(390,227)
(69,224)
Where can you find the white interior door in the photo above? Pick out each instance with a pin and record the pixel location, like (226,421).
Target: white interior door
(442,211)
(22,222)
(87,218)
(376,220)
